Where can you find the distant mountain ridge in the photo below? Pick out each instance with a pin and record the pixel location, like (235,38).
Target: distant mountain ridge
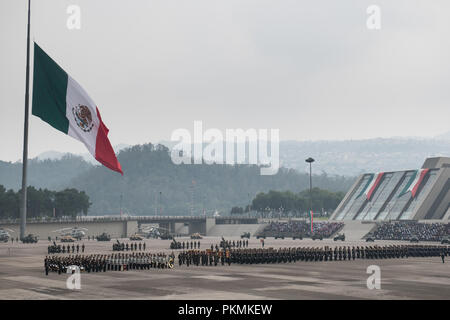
(444,136)
(148,170)
(353,157)
(347,158)
(57,155)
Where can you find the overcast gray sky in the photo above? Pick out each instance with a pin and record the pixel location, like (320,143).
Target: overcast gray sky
(309,68)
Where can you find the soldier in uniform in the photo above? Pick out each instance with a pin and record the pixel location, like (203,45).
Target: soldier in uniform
(46,263)
(140,246)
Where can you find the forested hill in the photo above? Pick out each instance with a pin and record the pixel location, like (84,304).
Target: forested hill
(49,174)
(150,176)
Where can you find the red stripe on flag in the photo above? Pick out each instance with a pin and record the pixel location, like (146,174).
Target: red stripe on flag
(104,153)
(416,187)
(369,195)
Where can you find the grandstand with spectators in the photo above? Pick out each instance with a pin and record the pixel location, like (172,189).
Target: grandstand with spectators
(300,229)
(406,230)
(421,194)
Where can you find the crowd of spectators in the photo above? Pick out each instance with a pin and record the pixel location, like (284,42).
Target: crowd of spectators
(406,230)
(303,228)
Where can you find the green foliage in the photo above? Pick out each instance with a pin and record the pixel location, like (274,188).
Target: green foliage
(148,170)
(237,210)
(287,201)
(48,174)
(40,202)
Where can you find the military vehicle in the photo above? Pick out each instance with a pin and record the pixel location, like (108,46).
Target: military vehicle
(4,234)
(317,237)
(136,237)
(339,237)
(196,236)
(54,248)
(74,232)
(278,236)
(245,235)
(175,244)
(153,232)
(370,239)
(67,239)
(165,236)
(414,239)
(104,237)
(260,236)
(30,239)
(300,237)
(118,246)
(445,240)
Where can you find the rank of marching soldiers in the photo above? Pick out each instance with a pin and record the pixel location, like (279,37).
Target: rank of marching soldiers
(227,309)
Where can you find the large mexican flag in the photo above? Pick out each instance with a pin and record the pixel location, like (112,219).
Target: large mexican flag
(61,102)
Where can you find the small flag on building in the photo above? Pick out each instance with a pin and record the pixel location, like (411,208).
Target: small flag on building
(61,102)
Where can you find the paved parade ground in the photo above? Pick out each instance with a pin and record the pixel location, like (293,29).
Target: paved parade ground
(22,276)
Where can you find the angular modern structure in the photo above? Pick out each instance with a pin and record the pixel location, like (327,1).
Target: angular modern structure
(422,194)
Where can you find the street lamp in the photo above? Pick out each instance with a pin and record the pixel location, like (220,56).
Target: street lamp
(159,202)
(310,161)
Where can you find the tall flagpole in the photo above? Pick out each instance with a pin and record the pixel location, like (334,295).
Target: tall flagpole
(23,215)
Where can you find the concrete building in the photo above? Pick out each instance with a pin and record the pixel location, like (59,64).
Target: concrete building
(422,194)
(118,227)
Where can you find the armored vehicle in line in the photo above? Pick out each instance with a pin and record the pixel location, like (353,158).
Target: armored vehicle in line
(339,237)
(245,235)
(104,237)
(30,239)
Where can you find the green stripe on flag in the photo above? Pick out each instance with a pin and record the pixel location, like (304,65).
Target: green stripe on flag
(411,179)
(49,91)
(372,175)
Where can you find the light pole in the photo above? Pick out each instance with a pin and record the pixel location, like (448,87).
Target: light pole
(159,202)
(310,161)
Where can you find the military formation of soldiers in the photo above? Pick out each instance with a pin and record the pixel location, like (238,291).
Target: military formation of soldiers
(228,244)
(228,252)
(63,248)
(129,246)
(109,262)
(204,258)
(283,255)
(188,245)
(244,256)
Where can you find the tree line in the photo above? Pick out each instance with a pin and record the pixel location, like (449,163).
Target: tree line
(152,184)
(43,203)
(288,202)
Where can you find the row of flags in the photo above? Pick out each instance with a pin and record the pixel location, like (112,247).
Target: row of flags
(411,186)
